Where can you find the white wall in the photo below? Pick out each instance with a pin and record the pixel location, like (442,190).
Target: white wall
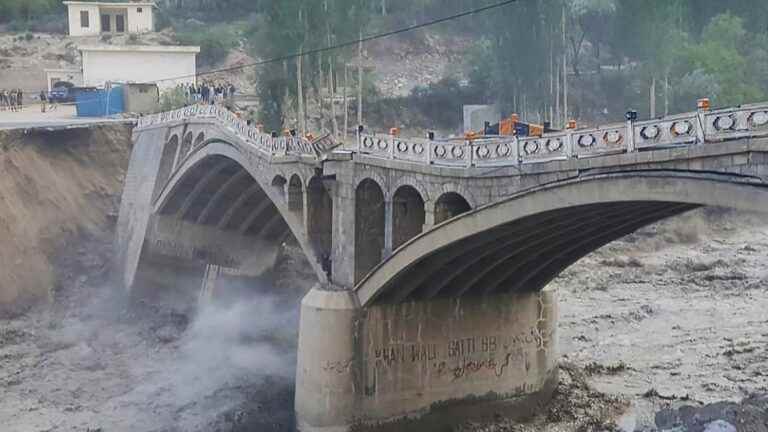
(136,22)
(137,66)
(140,22)
(94,21)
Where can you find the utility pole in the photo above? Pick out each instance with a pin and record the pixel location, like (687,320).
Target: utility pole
(300,90)
(346,101)
(300,94)
(565,72)
(360,80)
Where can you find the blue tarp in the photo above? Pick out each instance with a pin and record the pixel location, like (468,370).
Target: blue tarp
(94,103)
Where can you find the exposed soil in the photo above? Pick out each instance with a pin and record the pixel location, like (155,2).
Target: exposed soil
(51,192)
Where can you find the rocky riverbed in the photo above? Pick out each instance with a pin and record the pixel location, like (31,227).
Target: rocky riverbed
(666,330)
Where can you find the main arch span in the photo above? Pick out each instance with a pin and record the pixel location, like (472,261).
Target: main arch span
(433,258)
(524,241)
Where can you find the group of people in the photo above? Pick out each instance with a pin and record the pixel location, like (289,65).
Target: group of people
(209,92)
(11,100)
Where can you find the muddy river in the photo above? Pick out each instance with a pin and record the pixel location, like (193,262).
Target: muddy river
(665,330)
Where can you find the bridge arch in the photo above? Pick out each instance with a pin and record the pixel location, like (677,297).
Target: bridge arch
(296,195)
(186,145)
(380,180)
(167,162)
(449,205)
(408,180)
(408,215)
(369,226)
(252,201)
(200,140)
(320,221)
(525,241)
(278,184)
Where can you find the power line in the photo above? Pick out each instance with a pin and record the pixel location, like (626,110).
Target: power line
(343,44)
(346,44)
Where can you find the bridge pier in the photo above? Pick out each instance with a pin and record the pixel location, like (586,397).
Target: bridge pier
(422,365)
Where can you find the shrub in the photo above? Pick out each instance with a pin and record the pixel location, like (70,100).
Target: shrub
(214,42)
(172,99)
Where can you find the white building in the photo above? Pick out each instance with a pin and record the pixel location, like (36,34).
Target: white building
(94,18)
(167,66)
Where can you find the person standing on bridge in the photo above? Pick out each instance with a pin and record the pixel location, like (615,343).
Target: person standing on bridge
(20,98)
(43,100)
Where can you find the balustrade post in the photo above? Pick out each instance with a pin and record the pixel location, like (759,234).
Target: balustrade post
(359,142)
(391,146)
(429,149)
(701,137)
(630,136)
(470,156)
(569,144)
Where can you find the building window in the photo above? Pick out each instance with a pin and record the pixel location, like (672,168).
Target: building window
(139,10)
(119,23)
(84,19)
(106,24)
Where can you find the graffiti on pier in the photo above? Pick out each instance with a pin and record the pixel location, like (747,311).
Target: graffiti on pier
(467,367)
(405,353)
(483,357)
(338,367)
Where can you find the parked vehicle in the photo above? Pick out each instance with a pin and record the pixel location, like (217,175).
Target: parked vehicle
(61,93)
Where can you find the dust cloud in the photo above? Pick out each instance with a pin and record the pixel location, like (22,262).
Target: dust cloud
(99,363)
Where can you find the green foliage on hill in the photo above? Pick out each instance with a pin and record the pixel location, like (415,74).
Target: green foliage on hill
(215,41)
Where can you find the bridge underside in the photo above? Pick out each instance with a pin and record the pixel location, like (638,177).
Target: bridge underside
(524,255)
(218,192)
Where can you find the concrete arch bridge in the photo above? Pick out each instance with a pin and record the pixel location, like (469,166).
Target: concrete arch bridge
(432,257)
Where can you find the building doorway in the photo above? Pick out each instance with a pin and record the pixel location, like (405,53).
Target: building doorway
(106,24)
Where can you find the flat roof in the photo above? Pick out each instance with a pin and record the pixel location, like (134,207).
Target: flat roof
(61,70)
(110,4)
(169,49)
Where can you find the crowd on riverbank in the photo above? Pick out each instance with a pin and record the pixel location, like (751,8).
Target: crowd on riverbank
(208,92)
(11,100)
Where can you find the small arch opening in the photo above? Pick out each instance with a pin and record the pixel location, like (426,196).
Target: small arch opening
(450,205)
(320,221)
(407,215)
(369,227)
(295,195)
(166,163)
(200,139)
(186,145)
(278,183)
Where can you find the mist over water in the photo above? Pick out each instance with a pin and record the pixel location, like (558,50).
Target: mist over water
(237,355)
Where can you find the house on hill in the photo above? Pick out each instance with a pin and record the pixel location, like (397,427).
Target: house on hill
(94,18)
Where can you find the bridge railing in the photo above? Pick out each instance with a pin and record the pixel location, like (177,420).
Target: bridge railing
(695,128)
(279,146)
